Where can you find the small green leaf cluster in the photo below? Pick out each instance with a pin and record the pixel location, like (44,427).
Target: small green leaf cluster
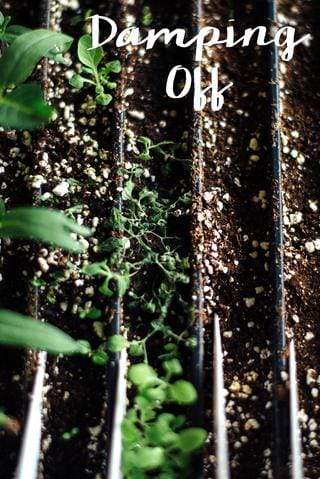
(147,17)
(156,441)
(22,105)
(114,344)
(68,435)
(92,73)
(140,242)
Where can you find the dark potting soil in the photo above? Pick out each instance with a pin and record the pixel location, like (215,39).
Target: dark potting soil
(237,222)
(301,172)
(237,232)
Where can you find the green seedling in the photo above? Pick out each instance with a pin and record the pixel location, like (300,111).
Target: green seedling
(9,33)
(93,73)
(68,435)
(140,251)
(153,440)
(147,17)
(148,147)
(22,105)
(114,344)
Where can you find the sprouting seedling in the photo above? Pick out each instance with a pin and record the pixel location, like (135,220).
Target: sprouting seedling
(149,146)
(41,224)
(147,17)
(22,105)
(68,435)
(95,74)
(77,19)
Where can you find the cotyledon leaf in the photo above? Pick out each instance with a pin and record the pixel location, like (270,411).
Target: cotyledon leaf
(19,60)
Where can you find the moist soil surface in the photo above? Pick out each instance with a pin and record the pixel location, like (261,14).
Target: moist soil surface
(301,168)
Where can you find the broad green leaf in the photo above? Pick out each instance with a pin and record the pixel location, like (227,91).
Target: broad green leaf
(122,283)
(192,439)
(90,58)
(104,99)
(105,289)
(24,108)
(127,190)
(20,59)
(147,410)
(140,374)
(22,331)
(157,431)
(43,225)
(183,392)
(14,31)
(149,458)
(116,343)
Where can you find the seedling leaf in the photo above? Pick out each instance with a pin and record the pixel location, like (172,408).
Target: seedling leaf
(192,439)
(141,374)
(24,108)
(20,59)
(90,58)
(149,458)
(44,225)
(183,392)
(116,343)
(22,331)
